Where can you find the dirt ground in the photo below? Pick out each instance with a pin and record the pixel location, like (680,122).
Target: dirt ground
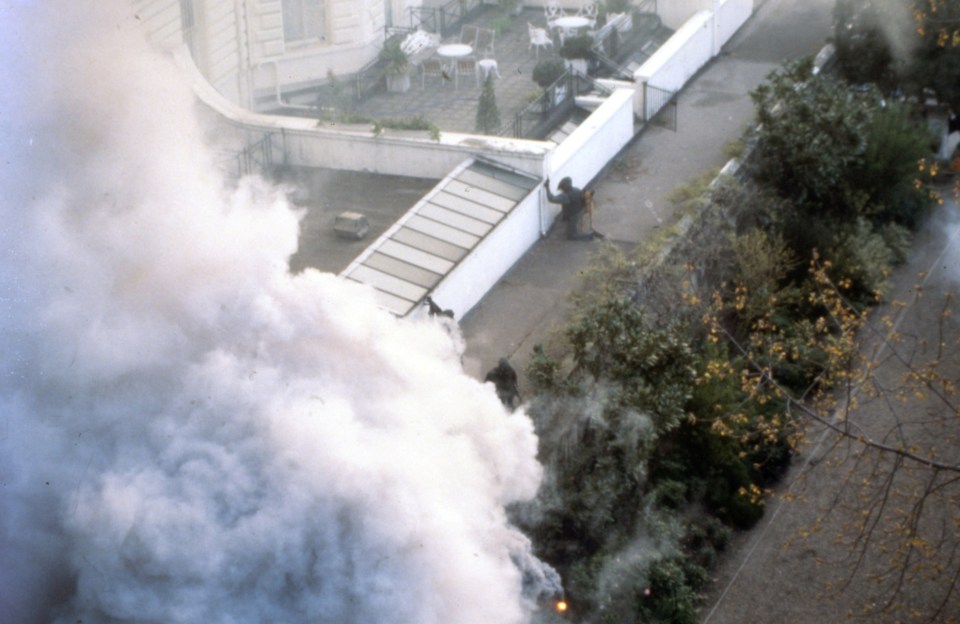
(802,565)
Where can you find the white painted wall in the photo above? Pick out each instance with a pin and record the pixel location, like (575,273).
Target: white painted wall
(405,153)
(591,146)
(239,45)
(690,48)
(224,44)
(301,141)
(731,15)
(581,156)
(677,60)
(160,20)
(477,273)
(354,36)
(675,13)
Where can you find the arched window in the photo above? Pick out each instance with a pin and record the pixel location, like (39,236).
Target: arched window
(303,20)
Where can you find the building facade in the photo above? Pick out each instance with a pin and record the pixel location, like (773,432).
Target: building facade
(253,50)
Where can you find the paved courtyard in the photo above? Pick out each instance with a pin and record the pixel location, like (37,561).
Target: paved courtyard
(455,109)
(451,104)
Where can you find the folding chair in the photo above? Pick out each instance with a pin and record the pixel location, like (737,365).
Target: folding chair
(484,43)
(433,68)
(464,67)
(539,38)
(468,35)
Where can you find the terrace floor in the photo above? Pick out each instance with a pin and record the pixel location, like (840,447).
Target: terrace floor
(453,108)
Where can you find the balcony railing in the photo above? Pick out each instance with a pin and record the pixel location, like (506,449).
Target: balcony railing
(446,19)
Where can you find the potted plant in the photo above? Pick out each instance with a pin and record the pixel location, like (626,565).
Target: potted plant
(488,115)
(579,52)
(547,72)
(396,66)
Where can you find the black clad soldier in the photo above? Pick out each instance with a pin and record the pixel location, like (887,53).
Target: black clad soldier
(504,378)
(573,204)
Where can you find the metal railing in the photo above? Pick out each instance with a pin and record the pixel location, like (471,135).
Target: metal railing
(368,80)
(445,19)
(551,107)
(256,157)
(660,104)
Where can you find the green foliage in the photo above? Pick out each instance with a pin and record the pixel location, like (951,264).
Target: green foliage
(813,133)
(861,262)
(597,489)
(617,6)
(652,368)
(888,170)
(761,263)
(501,24)
(543,372)
(395,60)
(935,62)
(415,123)
(712,459)
(548,71)
(937,67)
(672,598)
(863,51)
(579,47)
(671,493)
(335,95)
(488,115)
(706,537)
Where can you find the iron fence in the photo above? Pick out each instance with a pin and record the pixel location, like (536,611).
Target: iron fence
(256,157)
(551,107)
(445,19)
(660,106)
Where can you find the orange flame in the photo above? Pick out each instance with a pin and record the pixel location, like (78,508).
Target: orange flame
(561,606)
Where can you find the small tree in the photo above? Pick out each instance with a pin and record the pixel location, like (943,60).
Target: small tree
(547,72)
(488,115)
(813,132)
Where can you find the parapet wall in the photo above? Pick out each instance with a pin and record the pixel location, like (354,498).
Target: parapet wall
(691,47)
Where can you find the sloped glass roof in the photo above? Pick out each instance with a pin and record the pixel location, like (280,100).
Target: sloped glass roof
(411,258)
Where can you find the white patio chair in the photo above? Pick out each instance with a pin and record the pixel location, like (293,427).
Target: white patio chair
(484,44)
(433,68)
(553,10)
(465,66)
(589,11)
(539,38)
(468,35)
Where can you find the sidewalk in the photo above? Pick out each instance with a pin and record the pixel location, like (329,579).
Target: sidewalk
(714,109)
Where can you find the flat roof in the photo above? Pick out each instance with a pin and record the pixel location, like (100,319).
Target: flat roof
(413,256)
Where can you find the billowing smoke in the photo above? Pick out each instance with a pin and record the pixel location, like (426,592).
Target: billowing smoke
(189,433)
(894,19)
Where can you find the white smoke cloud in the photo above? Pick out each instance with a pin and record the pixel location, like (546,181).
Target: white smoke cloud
(188,433)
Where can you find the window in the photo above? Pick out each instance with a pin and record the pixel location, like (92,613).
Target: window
(303,20)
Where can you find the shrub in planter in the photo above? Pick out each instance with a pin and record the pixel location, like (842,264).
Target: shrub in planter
(579,47)
(578,51)
(547,72)
(396,66)
(488,115)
